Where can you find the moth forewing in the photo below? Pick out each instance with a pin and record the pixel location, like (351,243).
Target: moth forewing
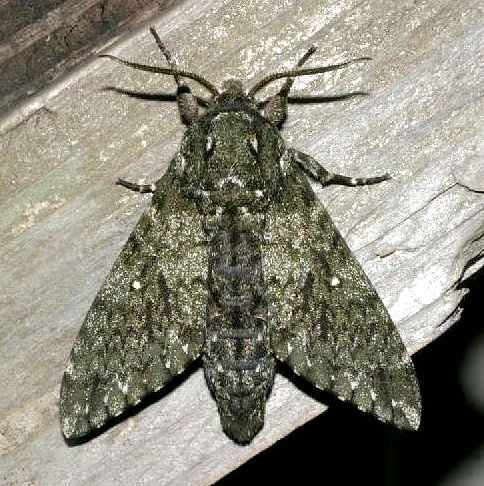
(327,322)
(146,323)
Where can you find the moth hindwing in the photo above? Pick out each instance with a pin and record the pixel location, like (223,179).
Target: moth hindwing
(237,261)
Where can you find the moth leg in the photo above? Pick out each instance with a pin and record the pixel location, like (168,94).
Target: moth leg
(276,106)
(187,103)
(143,188)
(316,171)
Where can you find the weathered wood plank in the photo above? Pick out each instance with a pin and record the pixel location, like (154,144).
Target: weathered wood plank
(40,41)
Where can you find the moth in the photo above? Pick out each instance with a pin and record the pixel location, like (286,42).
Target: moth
(237,261)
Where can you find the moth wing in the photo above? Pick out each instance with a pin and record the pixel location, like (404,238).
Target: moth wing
(146,323)
(327,321)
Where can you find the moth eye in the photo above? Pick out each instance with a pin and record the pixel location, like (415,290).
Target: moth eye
(253,144)
(209,146)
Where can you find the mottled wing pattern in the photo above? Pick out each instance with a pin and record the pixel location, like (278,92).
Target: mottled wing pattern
(146,323)
(327,321)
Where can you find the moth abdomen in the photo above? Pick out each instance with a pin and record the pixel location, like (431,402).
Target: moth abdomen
(238,363)
(241,388)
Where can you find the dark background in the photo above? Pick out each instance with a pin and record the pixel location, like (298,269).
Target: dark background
(344,446)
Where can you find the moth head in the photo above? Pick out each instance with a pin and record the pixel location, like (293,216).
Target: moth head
(233,96)
(232,85)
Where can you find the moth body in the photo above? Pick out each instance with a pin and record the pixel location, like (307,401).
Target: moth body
(232,192)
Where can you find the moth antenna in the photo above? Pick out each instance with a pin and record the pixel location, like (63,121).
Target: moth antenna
(170,71)
(290,81)
(302,72)
(284,91)
(166,53)
(325,99)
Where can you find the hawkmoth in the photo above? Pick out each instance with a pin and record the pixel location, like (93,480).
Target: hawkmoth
(237,261)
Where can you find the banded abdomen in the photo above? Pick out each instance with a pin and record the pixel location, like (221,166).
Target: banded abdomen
(239,367)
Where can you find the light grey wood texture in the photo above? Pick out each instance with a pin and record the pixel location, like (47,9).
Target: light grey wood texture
(63,221)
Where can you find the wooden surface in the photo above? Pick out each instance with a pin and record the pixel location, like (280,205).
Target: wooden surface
(63,221)
(41,40)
